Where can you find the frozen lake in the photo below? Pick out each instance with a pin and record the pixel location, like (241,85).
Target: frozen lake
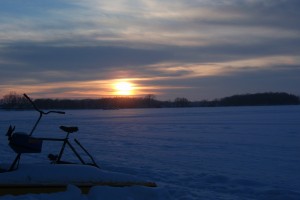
(194,153)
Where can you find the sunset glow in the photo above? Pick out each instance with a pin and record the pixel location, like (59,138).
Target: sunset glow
(124,88)
(196,49)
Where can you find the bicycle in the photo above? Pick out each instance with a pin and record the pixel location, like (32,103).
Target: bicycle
(22,142)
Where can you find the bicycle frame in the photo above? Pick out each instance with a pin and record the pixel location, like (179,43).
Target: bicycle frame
(65,142)
(19,150)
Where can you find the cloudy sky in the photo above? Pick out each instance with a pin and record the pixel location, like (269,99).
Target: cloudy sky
(198,49)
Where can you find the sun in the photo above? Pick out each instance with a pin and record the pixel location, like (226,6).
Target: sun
(124,88)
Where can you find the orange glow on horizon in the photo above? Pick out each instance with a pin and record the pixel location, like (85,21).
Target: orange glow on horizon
(133,87)
(124,88)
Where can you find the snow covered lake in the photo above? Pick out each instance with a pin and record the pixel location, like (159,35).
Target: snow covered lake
(192,153)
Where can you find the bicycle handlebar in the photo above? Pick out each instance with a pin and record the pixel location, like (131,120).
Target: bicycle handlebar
(40,111)
(54,111)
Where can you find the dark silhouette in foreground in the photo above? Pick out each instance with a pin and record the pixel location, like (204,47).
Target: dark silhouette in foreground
(22,142)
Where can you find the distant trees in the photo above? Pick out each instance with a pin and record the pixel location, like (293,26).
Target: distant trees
(182,102)
(150,101)
(260,99)
(16,101)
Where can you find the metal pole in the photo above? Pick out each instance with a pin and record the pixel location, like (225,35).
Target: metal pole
(91,157)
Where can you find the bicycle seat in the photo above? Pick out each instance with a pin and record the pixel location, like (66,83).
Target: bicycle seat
(69,129)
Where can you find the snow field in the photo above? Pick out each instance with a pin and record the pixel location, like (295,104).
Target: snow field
(193,153)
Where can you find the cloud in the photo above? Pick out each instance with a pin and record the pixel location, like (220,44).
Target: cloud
(171,44)
(182,23)
(166,67)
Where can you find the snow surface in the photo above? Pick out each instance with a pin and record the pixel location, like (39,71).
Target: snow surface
(62,174)
(97,193)
(191,153)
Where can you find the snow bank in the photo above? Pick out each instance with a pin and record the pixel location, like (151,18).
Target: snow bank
(41,174)
(98,193)
(45,174)
(125,193)
(72,193)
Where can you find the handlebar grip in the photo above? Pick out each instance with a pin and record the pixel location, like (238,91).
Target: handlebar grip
(59,112)
(53,111)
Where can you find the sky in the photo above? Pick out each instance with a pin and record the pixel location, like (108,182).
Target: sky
(197,49)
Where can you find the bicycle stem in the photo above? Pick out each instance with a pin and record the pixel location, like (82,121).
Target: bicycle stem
(40,112)
(36,123)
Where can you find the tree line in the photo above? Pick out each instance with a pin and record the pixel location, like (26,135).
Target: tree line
(17,101)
